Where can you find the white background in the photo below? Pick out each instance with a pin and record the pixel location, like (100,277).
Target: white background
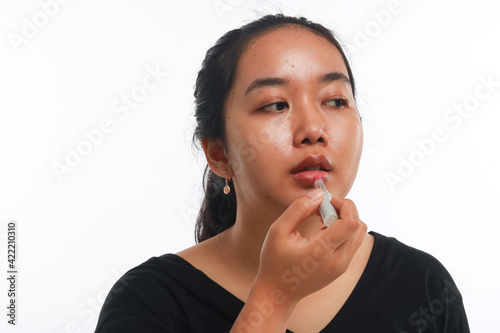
(137,192)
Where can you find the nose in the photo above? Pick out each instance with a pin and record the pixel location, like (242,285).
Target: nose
(310,127)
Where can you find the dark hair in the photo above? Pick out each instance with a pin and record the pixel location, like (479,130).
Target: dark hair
(214,81)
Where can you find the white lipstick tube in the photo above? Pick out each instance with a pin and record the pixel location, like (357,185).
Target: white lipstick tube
(328,213)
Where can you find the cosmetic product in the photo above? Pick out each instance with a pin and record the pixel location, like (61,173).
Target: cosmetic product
(327,210)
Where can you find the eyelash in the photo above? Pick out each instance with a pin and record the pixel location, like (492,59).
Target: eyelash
(266,107)
(344,103)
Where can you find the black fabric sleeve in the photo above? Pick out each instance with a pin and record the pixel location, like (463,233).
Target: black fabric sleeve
(445,310)
(140,302)
(434,302)
(402,290)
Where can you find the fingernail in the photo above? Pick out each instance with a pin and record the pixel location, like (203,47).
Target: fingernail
(316,194)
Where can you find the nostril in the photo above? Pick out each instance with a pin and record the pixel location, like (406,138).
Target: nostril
(306,140)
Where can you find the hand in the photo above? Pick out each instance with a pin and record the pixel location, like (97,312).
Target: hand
(295,266)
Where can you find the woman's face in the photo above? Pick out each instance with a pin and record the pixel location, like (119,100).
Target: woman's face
(290,116)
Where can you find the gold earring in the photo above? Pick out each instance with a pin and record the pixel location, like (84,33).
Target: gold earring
(227,189)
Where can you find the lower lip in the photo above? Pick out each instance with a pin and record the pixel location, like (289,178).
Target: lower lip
(307,177)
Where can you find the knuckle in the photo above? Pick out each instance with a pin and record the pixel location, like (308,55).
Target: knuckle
(352,223)
(351,206)
(339,264)
(343,266)
(335,261)
(277,230)
(274,231)
(349,202)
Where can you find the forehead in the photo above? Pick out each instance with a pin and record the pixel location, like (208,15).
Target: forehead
(289,50)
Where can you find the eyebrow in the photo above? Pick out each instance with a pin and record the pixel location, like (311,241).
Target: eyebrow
(266,82)
(278,81)
(335,76)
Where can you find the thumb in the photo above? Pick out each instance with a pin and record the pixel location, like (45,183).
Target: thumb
(298,211)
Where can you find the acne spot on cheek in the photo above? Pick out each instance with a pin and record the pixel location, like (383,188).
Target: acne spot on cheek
(293,66)
(267,197)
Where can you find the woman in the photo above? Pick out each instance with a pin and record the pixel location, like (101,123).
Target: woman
(275,106)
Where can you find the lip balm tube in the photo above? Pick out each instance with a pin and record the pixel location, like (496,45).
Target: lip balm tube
(327,210)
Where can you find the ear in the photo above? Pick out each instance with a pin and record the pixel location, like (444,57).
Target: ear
(216,157)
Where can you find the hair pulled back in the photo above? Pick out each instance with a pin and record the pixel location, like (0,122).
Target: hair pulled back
(214,81)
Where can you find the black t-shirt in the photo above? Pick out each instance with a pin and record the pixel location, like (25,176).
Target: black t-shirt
(401,290)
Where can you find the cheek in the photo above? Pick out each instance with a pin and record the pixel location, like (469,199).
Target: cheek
(256,145)
(347,141)
(275,136)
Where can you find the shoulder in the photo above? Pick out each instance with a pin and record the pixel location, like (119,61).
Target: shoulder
(145,294)
(167,294)
(412,272)
(164,270)
(395,254)
(416,285)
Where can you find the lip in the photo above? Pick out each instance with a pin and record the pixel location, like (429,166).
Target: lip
(308,176)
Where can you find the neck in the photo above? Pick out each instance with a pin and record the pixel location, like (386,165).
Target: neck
(242,243)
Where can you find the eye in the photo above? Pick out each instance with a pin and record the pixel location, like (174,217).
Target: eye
(338,103)
(278,106)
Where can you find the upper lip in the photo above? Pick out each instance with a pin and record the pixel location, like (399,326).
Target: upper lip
(313,160)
